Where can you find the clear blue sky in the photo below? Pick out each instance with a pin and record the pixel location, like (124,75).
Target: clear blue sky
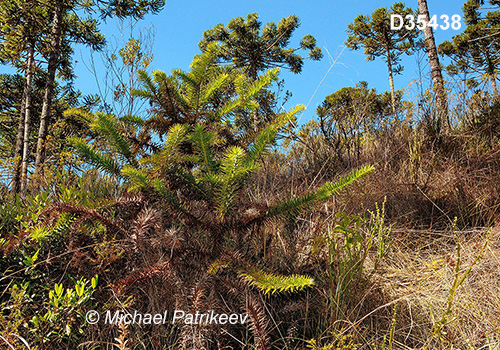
(180,26)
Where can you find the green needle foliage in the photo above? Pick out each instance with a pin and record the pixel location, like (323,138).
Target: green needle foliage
(475,51)
(274,284)
(207,93)
(114,149)
(295,205)
(254,49)
(373,33)
(246,45)
(96,158)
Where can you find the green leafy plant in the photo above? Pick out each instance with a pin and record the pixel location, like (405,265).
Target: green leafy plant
(346,246)
(380,231)
(59,316)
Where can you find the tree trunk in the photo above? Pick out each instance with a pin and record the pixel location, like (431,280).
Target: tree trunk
(391,77)
(18,151)
(391,81)
(49,90)
(27,106)
(494,86)
(436,75)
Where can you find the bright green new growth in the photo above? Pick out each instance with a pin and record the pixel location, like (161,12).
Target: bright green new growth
(274,284)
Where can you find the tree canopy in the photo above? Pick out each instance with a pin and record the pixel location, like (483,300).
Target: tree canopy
(246,44)
(373,33)
(475,51)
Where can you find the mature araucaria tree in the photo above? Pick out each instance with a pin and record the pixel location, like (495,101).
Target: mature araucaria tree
(22,24)
(62,8)
(246,45)
(475,51)
(373,33)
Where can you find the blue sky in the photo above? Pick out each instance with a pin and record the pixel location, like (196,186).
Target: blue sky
(180,26)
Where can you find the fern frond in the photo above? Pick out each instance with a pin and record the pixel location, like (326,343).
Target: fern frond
(272,283)
(94,157)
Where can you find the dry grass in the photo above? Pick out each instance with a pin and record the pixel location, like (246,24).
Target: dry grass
(420,273)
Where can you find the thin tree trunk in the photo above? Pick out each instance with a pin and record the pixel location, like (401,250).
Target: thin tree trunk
(494,86)
(27,121)
(436,74)
(49,90)
(18,151)
(391,78)
(391,82)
